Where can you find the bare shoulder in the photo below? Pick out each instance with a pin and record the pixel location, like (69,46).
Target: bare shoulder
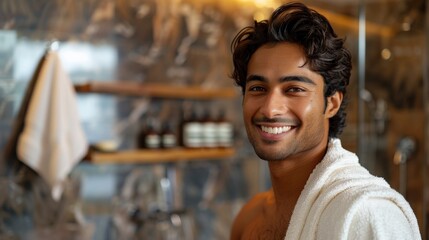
(252,209)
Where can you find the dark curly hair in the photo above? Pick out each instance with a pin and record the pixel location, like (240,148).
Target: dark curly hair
(325,52)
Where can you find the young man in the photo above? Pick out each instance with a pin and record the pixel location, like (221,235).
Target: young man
(293,71)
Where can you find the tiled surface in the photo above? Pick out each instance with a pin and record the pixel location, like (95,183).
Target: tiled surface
(143,41)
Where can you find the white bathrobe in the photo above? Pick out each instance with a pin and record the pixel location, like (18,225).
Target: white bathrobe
(342,200)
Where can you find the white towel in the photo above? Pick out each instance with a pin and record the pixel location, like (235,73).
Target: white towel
(52,141)
(341,200)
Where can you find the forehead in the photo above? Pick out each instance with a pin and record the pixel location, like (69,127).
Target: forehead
(287,50)
(280,60)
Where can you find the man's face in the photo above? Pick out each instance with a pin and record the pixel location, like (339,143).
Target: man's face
(284,105)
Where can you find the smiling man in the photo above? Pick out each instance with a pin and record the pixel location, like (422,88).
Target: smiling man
(293,71)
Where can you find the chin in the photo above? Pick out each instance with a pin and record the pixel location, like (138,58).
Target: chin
(269,155)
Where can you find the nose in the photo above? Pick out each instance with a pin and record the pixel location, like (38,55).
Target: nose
(274,104)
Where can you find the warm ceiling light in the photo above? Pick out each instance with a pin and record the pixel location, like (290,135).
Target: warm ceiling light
(261,8)
(386,54)
(262,3)
(265,3)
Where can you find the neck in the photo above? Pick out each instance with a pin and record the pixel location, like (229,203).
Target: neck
(288,177)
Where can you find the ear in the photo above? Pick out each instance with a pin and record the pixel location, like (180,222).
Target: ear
(333,104)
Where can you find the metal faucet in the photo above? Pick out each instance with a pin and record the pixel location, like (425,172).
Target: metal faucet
(405,148)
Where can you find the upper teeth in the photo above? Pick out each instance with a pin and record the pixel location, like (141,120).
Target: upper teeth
(275,130)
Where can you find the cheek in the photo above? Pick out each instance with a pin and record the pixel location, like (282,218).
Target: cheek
(309,108)
(246,108)
(248,103)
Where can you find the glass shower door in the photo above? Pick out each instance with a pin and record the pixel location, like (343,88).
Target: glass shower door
(392,97)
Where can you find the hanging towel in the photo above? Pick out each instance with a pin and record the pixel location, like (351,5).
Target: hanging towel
(342,200)
(52,141)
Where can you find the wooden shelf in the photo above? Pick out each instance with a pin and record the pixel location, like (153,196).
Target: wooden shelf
(159,156)
(154,90)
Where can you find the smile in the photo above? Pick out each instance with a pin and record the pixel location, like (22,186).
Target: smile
(275,130)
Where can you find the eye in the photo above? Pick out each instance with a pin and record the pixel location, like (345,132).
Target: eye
(256,89)
(295,89)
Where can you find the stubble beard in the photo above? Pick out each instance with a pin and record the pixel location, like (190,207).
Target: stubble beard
(269,156)
(279,153)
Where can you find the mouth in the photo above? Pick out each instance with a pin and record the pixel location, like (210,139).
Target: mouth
(275,130)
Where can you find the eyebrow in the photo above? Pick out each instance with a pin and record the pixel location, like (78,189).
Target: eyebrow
(255,77)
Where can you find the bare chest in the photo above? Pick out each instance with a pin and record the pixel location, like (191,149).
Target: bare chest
(267,228)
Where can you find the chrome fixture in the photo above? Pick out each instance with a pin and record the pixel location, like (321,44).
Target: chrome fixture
(405,148)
